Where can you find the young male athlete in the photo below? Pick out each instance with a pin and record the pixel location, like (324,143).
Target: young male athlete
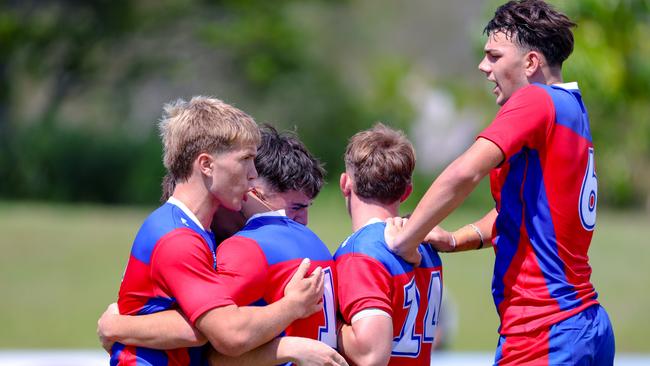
(540,156)
(259,260)
(390,307)
(209,149)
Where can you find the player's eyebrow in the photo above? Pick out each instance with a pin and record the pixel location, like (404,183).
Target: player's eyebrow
(298,206)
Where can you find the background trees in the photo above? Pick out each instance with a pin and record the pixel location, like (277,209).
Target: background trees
(82,83)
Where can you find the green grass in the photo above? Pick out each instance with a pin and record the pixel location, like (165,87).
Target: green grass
(60,265)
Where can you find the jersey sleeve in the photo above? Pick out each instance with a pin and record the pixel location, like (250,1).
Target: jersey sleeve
(243,268)
(524,121)
(364,283)
(182,265)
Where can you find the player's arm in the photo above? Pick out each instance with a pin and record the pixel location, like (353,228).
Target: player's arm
(234,330)
(366,336)
(445,194)
(477,235)
(301,351)
(162,330)
(183,265)
(368,341)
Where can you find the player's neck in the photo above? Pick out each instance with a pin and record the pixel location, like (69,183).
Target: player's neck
(547,76)
(363,210)
(198,200)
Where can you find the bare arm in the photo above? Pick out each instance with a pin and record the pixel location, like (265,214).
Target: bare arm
(477,235)
(367,341)
(446,193)
(162,330)
(234,330)
(301,351)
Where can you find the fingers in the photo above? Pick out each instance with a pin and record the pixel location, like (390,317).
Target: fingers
(339,360)
(302,269)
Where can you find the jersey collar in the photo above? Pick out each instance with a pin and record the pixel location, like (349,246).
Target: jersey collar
(176,202)
(278,213)
(568,86)
(373,220)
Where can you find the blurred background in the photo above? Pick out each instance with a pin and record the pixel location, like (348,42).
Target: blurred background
(83,83)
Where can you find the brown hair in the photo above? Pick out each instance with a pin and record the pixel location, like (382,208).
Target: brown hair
(202,125)
(535,25)
(381,161)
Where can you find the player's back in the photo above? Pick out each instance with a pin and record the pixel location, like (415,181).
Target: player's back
(268,251)
(140,293)
(546,194)
(375,278)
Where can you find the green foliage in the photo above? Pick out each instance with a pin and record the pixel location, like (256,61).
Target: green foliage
(611,63)
(78,165)
(69,64)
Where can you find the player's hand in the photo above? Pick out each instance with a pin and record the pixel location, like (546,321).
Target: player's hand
(394,226)
(310,352)
(440,239)
(305,293)
(104,326)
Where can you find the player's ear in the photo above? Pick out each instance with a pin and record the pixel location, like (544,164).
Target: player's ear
(345,183)
(205,163)
(407,193)
(533,62)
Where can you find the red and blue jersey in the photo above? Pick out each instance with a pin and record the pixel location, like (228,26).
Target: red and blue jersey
(259,261)
(372,277)
(172,265)
(545,192)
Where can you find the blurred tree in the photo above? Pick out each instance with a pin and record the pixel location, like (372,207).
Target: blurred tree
(82,81)
(611,63)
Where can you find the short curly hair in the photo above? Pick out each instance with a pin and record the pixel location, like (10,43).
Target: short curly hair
(286,164)
(535,25)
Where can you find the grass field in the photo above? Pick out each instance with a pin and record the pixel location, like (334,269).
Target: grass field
(60,265)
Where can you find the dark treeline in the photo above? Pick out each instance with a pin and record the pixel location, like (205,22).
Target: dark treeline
(82,84)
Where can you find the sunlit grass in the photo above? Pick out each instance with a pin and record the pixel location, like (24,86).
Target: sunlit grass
(60,265)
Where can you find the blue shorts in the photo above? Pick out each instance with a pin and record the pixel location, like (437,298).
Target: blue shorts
(586,338)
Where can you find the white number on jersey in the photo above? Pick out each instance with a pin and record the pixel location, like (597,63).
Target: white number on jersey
(327,333)
(408,342)
(433,309)
(589,195)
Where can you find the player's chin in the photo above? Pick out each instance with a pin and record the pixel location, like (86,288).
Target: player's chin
(235,204)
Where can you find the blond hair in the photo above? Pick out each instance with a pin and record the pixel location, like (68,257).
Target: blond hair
(202,125)
(381,162)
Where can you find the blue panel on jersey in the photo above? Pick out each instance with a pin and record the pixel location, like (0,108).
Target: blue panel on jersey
(430,257)
(541,232)
(508,223)
(289,239)
(150,357)
(198,355)
(369,240)
(567,112)
(115,353)
(156,304)
(159,223)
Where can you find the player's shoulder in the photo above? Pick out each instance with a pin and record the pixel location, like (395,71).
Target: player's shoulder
(283,239)
(369,242)
(430,256)
(167,224)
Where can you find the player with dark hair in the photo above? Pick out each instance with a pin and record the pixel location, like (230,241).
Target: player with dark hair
(390,307)
(539,154)
(259,260)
